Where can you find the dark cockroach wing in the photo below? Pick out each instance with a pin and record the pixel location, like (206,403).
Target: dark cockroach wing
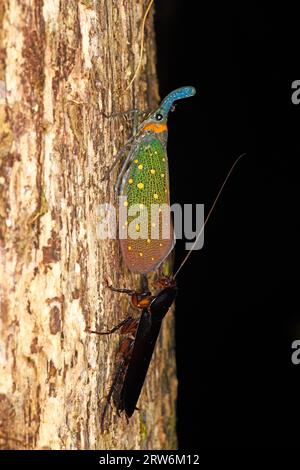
(146,337)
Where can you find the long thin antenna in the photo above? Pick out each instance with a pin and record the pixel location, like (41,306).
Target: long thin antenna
(141,47)
(208,215)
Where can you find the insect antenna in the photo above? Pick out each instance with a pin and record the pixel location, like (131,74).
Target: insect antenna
(209,214)
(141,46)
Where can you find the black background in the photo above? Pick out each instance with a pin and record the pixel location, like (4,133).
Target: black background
(237,310)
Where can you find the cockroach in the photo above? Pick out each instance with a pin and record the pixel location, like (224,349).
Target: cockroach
(136,349)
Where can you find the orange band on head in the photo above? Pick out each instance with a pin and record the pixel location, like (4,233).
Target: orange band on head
(155,127)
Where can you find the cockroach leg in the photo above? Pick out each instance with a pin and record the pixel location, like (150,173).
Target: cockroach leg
(124,323)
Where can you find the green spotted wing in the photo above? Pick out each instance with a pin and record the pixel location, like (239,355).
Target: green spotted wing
(145,189)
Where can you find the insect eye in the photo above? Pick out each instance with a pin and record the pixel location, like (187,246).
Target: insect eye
(158,117)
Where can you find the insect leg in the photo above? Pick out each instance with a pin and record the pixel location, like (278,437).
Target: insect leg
(117,158)
(120,113)
(138,299)
(129,291)
(136,114)
(124,324)
(134,111)
(123,291)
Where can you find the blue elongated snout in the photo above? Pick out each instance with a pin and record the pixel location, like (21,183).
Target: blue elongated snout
(178,94)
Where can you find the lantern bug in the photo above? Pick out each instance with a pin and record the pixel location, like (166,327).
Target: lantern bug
(137,346)
(143,183)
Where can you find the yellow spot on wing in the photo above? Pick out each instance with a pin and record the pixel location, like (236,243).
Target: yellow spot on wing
(125,203)
(130,181)
(140,167)
(162,175)
(140,185)
(152,171)
(129,248)
(155,196)
(141,254)
(137,227)
(148,241)
(141,206)
(136,160)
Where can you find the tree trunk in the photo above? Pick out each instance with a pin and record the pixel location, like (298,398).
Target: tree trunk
(62,65)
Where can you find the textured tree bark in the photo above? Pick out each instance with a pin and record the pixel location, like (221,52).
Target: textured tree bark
(63,64)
